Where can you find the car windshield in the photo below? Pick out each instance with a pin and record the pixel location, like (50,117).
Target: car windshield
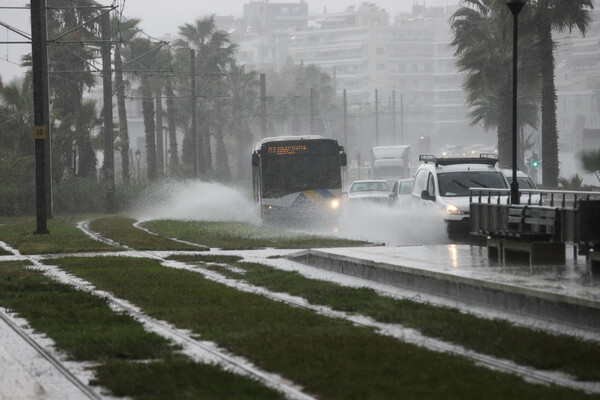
(524,182)
(454,184)
(370,187)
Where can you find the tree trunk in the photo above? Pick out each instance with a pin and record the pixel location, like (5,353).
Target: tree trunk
(222,171)
(171,121)
(550,168)
(160,155)
(149,129)
(123,132)
(505,126)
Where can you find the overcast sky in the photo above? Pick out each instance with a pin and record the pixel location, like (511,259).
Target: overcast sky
(160,17)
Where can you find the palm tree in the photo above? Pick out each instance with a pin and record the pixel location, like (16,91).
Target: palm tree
(482,37)
(214,52)
(16,116)
(171,123)
(590,162)
(125,31)
(573,183)
(143,67)
(559,15)
(70,72)
(243,92)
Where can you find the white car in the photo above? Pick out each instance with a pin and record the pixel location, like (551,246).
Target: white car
(444,183)
(375,191)
(525,182)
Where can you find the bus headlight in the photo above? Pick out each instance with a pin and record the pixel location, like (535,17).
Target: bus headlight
(452,209)
(335,203)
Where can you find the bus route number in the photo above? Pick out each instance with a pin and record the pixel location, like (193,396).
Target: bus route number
(285,150)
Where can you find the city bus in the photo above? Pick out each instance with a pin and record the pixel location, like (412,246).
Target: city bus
(298,176)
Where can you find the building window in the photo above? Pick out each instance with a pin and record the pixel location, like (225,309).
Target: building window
(380,66)
(380,50)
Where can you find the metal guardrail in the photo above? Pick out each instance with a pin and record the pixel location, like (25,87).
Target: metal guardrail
(539,197)
(578,211)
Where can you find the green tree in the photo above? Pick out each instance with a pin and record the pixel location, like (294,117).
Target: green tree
(124,31)
(482,35)
(144,67)
(214,54)
(16,116)
(554,15)
(70,73)
(243,92)
(291,105)
(573,183)
(590,162)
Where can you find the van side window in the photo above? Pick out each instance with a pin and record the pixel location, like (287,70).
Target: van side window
(430,185)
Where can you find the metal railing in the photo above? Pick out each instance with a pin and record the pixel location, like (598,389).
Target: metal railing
(576,224)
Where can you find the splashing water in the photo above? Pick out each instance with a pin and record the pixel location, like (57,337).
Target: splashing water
(196,200)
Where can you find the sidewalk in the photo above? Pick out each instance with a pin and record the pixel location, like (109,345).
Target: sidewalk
(567,294)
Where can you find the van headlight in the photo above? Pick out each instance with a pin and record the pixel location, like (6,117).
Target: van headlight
(452,209)
(335,203)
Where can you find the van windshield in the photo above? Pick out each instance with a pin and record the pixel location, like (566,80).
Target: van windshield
(454,184)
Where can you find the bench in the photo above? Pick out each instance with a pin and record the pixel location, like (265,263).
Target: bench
(532,235)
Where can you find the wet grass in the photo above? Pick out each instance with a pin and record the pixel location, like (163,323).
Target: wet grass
(81,324)
(179,378)
(243,236)
(494,337)
(121,230)
(330,358)
(64,236)
(132,361)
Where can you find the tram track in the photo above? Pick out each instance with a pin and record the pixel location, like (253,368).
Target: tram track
(239,365)
(55,363)
(407,335)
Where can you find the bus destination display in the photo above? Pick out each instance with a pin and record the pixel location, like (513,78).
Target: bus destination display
(286,150)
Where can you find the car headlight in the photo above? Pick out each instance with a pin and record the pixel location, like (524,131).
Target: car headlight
(452,209)
(335,203)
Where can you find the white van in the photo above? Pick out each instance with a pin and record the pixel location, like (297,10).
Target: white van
(444,183)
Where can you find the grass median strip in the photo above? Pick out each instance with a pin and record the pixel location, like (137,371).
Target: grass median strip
(243,236)
(121,229)
(64,236)
(330,358)
(132,361)
(494,337)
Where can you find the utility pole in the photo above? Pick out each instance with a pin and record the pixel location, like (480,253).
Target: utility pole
(334,82)
(109,156)
(263,105)
(39,56)
(376,119)
(345,120)
(312,111)
(160,164)
(402,139)
(194,116)
(394,117)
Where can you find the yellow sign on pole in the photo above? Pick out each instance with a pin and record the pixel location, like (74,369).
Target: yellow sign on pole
(39,132)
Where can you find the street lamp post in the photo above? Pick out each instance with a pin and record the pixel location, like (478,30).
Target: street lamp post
(138,155)
(515,7)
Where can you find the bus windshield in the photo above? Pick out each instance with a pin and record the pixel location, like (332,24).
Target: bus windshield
(295,173)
